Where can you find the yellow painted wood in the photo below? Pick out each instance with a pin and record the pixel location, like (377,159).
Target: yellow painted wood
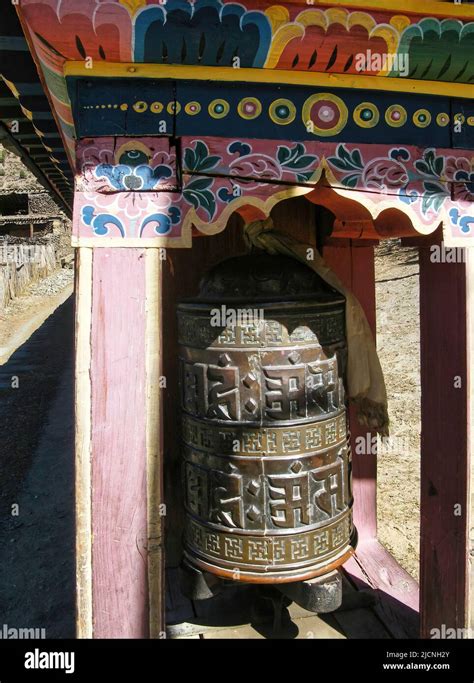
(84,623)
(423,7)
(276,76)
(183,242)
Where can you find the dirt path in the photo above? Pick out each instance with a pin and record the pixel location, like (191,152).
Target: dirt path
(37,573)
(36,471)
(398,340)
(26,313)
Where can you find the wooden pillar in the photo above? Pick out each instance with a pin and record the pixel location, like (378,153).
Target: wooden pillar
(354,265)
(446,291)
(469,558)
(118,463)
(372,565)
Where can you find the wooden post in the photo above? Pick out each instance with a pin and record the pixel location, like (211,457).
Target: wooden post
(84,627)
(372,565)
(118,473)
(154,442)
(470,438)
(355,268)
(446,291)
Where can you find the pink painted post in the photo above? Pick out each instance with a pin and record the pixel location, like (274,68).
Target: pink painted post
(119,502)
(118,411)
(120,576)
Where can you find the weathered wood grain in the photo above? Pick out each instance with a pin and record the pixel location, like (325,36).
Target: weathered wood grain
(373,565)
(355,267)
(83,443)
(154,443)
(398,594)
(444,447)
(470,435)
(119,486)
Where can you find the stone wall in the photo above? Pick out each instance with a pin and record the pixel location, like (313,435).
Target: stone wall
(16,177)
(25,261)
(22,264)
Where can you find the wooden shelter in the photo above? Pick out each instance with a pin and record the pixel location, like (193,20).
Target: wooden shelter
(179,119)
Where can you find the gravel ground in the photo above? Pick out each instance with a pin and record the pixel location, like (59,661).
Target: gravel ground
(398,344)
(39,296)
(53,284)
(28,382)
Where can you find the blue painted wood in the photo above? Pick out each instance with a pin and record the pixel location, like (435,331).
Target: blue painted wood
(28,89)
(14,43)
(463,129)
(121,106)
(205,32)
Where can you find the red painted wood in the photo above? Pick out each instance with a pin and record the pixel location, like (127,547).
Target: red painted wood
(355,267)
(444,453)
(373,566)
(119,500)
(364,466)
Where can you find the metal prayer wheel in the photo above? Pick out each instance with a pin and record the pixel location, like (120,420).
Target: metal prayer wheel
(267,471)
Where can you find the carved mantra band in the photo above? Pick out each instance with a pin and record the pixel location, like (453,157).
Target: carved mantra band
(265,441)
(256,554)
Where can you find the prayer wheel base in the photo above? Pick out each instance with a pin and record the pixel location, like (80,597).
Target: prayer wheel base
(274,576)
(319,595)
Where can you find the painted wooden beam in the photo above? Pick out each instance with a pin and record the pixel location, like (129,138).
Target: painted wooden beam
(445,405)
(364,466)
(275,76)
(435,8)
(373,566)
(118,444)
(17,43)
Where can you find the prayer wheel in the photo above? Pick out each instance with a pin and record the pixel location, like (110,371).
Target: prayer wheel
(267,472)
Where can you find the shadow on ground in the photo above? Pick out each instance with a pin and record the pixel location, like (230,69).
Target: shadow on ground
(37,475)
